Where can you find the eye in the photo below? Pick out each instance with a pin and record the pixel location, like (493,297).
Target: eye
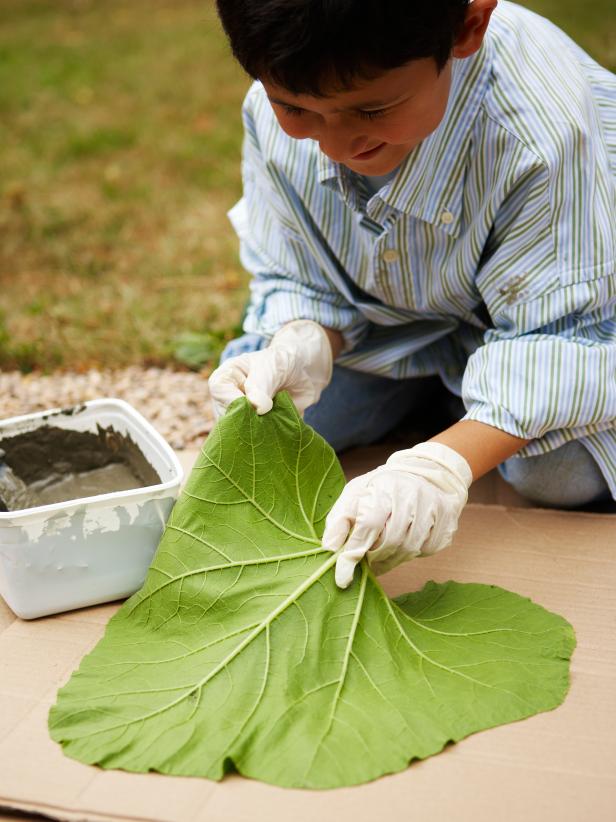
(373,114)
(292,110)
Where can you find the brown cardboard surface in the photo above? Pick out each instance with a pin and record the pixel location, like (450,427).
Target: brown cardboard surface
(556,766)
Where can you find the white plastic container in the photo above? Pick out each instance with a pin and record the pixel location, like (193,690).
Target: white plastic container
(86,551)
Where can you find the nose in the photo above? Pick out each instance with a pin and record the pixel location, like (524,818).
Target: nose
(339,140)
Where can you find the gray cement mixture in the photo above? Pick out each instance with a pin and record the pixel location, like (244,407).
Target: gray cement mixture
(49,465)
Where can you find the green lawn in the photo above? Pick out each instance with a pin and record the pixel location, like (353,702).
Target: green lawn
(120,140)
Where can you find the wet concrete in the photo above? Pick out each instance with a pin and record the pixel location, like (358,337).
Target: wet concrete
(49,465)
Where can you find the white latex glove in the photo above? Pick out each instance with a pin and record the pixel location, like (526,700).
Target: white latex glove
(406,508)
(298,360)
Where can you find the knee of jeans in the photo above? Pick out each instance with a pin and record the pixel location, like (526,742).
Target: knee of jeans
(327,426)
(358,408)
(338,443)
(565,478)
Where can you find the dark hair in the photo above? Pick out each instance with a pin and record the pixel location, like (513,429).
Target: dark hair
(308,46)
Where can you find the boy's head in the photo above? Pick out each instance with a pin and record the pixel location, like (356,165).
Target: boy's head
(368,79)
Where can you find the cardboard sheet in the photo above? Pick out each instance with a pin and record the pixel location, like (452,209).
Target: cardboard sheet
(555,766)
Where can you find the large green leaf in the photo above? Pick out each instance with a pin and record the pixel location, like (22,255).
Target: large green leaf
(240,652)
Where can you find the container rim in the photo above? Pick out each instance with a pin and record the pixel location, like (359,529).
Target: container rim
(119,497)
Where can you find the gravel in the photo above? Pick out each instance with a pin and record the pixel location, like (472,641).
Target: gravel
(175,402)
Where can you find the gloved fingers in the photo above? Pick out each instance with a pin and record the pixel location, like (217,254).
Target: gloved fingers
(258,397)
(363,536)
(344,512)
(389,549)
(341,518)
(404,506)
(220,405)
(345,568)
(406,531)
(303,396)
(351,555)
(336,532)
(353,552)
(337,527)
(441,535)
(392,550)
(269,375)
(226,384)
(419,529)
(373,509)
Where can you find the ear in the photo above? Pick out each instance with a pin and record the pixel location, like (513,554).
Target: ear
(474,28)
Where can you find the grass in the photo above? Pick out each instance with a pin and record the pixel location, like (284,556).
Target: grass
(120,134)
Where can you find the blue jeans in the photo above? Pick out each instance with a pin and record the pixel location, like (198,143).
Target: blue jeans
(360,409)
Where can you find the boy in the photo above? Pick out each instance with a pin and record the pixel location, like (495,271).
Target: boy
(429,188)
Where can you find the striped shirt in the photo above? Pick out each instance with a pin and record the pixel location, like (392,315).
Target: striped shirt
(490,257)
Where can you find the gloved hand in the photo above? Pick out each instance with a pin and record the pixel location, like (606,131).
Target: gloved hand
(298,360)
(406,508)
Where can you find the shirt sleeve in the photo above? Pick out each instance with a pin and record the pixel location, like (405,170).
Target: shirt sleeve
(287,282)
(547,368)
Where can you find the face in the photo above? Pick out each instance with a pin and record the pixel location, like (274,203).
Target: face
(371,127)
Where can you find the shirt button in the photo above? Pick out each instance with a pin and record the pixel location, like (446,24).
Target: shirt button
(390,255)
(447,218)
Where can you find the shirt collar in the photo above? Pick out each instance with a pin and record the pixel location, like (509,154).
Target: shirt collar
(339,179)
(327,169)
(430,182)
